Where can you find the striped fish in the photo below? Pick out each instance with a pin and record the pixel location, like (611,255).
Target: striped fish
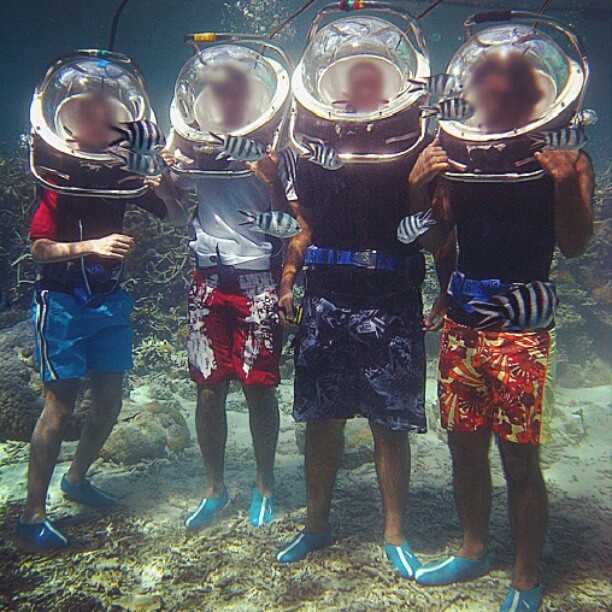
(139,136)
(141,165)
(274,223)
(572,137)
(240,148)
(528,306)
(323,155)
(437,85)
(454,108)
(410,228)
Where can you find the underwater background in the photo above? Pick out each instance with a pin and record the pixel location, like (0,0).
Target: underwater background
(140,558)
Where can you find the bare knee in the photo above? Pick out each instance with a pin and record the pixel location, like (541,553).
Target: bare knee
(326,427)
(260,397)
(388,437)
(107,395)
(211,399)
(60,398)
(521,464)
(469,449)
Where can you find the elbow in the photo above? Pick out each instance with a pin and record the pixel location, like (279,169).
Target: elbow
(574,248)
(576,244)
(38,252)
(573,251)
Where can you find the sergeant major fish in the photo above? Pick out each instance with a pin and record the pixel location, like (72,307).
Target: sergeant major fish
(240,148)
(274,223)
(323,155)
(454,108)
(571,137)
(530,306)
(136,163)
(413,226)
(437,85)
(141,136)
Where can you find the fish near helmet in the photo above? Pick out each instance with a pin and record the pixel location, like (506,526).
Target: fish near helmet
(525,76)
(354,86)
(72,114)
(230,103)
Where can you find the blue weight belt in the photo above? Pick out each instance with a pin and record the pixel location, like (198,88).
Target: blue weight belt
(369,260)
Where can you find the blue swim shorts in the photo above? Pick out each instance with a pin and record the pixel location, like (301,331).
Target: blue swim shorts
(73,338)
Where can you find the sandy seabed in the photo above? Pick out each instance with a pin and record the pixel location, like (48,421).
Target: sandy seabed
(139,557)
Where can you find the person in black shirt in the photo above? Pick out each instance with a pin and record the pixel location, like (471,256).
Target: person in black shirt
(359,350)
(497,348)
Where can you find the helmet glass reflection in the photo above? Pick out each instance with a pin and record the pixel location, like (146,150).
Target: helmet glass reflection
(227,88)
(341,50)
(558,78)
(82,96)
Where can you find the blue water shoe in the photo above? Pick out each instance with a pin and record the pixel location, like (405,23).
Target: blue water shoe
(207,511)
(87,494)
(453,569)
(302,545)
(40,537)
(522,600)
(261,511)
(403,560)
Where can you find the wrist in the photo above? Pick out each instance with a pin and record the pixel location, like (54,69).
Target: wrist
(286,285)
(86,247)
(569,180)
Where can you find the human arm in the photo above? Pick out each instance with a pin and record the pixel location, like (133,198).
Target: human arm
(168,191)
(294,260)
(431,162)
(445,259)
(267,171)
(574,185)
(114,246)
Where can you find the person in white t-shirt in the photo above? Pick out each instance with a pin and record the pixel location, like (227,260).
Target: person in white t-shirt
(234,328)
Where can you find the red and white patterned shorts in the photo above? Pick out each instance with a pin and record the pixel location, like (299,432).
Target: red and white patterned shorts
(500,381)
(234,334)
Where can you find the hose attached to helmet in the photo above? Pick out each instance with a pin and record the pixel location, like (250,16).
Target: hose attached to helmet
(115,25)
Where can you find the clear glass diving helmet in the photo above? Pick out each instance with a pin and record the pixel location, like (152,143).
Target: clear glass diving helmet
(354,88)
(72,113)
(235,88)
(558,62)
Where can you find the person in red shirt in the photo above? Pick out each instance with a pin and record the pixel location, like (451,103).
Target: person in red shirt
(81,318)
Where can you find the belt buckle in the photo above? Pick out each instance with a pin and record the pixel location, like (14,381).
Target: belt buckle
(365,259)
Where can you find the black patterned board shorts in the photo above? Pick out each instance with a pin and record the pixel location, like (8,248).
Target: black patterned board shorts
(354,361)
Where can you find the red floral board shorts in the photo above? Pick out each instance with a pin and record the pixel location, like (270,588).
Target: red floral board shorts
(502,381)
(234,333)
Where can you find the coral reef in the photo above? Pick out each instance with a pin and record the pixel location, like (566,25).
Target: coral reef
(146,432)
(20,400)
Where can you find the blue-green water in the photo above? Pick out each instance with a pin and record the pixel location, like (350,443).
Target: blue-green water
(151,32)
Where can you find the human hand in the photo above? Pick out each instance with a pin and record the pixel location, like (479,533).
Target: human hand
(162,185)
(114,246)
(265,169)
(434,319)
(559,164)
(430,163)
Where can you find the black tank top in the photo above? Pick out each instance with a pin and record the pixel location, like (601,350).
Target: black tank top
(505,230)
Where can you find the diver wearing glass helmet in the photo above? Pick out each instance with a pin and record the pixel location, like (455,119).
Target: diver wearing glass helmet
(234,332)
(496,370)
(359,350)
(82,325)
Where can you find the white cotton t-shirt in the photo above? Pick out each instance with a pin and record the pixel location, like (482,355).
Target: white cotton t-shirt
(217,220)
